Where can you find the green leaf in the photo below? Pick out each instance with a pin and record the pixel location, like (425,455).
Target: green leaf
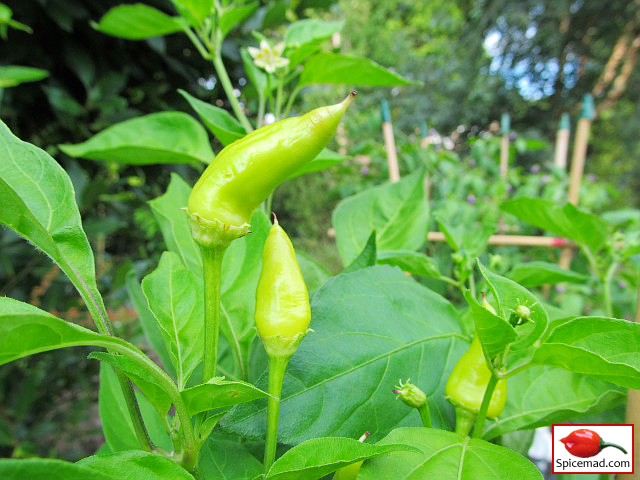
(220,122)
(14,75)
(137,22)
(314,273)
(415,263)
(494,332)
(534,274)
(310,30)
(460,237)
(154,392)
(509,296)
(535,399)
(194,10)
(166,137)
(447,455)
(234,16)
(136,465)
(38,202)
(116,422)
(604,348)
(218,393)
(367,257)
(318,457)
(567,221)
(325,159)
(47,469)
(221,458)
(172,293)
(148,322)
(401,330)
(174,223)
(397,212)
(340,69)
(258,77)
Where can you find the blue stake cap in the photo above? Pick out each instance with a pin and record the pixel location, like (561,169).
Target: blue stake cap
(423,129)
(588,109)
(386,114)
(565,122)
(505,123)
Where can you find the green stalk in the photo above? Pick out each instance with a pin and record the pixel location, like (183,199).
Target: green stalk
(486,400)
(212,269)
(606,289)
(277,366)
(228,89)
(472,283)
(425,416)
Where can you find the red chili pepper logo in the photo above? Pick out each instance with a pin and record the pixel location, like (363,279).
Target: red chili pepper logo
(586,443)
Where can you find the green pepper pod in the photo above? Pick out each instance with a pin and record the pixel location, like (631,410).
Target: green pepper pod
(282,301)
(247,171)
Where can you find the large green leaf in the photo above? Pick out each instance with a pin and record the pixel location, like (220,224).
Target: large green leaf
(447,455)
(136,465)
(310,30)
(318,457)
(366,258)
(401,330)
(47,469)
(220,122)
(235,15)
(218,393)
(14,75)
(38,202)
(225,459)
(581,227)
(173,295)
(314,273)
(534,274)
(343,69)
(194,10)
(397,212)
(415,263)
(604,348)
(137,22)
(116,423)
(166,137)
(535,399)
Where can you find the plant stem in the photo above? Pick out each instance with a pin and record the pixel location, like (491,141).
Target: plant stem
(228,88)
(292,97)
(212,268)
(486,400)
(261,105)
(424,415)
(472,283)
(606,288)
(277,366)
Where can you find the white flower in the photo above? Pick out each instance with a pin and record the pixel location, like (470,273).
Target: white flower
(269,58)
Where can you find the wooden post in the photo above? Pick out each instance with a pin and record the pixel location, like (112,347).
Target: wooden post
(518,240)
(577,164)
(562,142)
(389,143)
(424,143)
(505,123)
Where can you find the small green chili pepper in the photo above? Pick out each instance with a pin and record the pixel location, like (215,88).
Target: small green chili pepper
(247,171)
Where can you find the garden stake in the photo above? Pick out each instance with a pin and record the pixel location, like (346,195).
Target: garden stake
(577,164)
(389,143)
(424,143)
(505,126)
(562,142)
(519,240)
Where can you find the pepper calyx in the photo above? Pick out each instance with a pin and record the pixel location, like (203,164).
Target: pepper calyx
(214,233)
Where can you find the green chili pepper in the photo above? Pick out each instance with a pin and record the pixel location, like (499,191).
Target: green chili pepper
(247,171)
(468,382)
(350,472)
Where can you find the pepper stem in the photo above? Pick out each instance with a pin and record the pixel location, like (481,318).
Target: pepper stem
(277,367)
(464,420)
(486,400)
(607,444)
(425,416)
(212,268)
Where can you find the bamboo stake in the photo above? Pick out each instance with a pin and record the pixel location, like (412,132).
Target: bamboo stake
(516,240)
(577,164)
(562,142)
(505,123)
(424,143)
(389,143)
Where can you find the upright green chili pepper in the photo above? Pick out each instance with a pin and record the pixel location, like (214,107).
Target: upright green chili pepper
(282,319)
(247,171)
(467,384)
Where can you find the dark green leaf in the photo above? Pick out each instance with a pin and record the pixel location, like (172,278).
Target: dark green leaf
(136,465)
(137,22)
(367,257)
(47,469)
(447,455)
(397,212)
(166,137)
(14,75)
(343,69)
(315,274)
(318,457)
(534,274)
(235,15)
(604,348)
(494,332)
(415,263)
(219,393)
(221,458)
(220,122)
